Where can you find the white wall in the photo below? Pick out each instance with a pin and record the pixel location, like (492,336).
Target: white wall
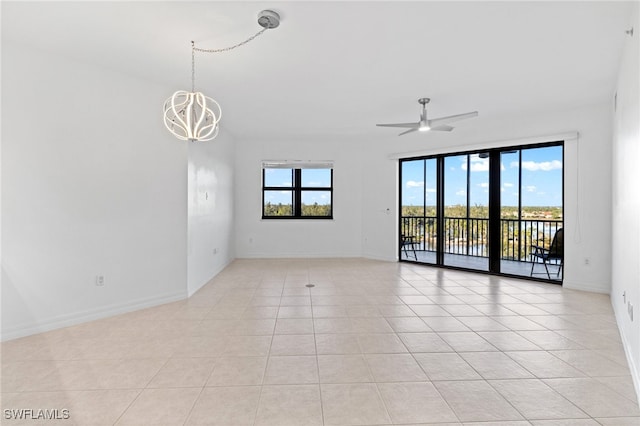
(626,200)
(210,209)
(340,237)
(380,201)
(91,184)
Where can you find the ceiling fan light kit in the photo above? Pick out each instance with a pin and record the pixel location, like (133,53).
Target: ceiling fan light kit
(424,125)
(194,116)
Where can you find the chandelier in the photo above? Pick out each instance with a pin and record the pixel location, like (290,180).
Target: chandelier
(194,116)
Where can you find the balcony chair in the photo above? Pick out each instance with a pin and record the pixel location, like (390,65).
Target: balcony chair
(554,252)
(408,244)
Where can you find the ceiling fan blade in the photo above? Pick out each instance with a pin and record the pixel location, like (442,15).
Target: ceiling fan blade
(442,128)
(408,131)
(451,118)
(405,125)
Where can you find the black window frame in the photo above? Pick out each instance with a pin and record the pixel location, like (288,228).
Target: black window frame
(493,154)
(297,189)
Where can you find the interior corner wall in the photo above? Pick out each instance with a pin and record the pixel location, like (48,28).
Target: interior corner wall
(92,184)
(211,241)
(625,291)
(340,237)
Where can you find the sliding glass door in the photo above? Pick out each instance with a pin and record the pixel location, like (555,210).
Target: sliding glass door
(418,222)
(495,211)
(466,211)
(531,211)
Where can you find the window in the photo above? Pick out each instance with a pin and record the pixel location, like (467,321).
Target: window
(297,190)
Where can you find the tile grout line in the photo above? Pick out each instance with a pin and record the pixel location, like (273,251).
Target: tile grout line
(128,406)
(266,366)
(195,401)
(315,345)
(422,369)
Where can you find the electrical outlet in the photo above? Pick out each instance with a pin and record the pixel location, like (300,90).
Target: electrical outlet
(630,310)
(587,261)
(215,251)
(100,280)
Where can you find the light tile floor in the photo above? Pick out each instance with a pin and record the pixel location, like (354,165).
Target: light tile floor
(373,343)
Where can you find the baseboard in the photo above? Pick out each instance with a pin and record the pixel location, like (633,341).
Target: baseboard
(633,366)
(215,272)
(381,258)
(592,287)
(317,256)
(297,255)
(89,315)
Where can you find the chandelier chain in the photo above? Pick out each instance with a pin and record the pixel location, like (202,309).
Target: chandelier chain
(226,49)
(193,67)
(193,116)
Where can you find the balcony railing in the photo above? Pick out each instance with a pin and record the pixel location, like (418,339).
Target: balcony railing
(469,236)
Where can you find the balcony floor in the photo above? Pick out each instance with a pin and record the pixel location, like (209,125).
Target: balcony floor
(510,267)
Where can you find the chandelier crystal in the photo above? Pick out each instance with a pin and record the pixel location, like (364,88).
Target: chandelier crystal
(193,116)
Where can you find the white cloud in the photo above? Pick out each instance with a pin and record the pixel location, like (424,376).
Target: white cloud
(508,185)
(414,184)
(480,167)
(461,193)
(430,190)
(533,166)
(477,164)
(530,188)
(483,185)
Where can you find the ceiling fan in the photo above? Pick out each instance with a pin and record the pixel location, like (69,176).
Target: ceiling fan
(437,124)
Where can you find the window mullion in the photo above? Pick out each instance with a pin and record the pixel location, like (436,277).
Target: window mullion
(297,192)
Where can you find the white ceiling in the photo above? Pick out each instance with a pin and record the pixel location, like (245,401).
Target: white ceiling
(337,68)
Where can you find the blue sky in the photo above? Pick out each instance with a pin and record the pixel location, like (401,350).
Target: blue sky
(541,179)
(315,178)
